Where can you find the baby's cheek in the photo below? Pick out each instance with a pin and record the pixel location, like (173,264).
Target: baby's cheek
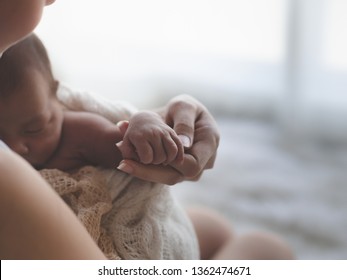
(44,146)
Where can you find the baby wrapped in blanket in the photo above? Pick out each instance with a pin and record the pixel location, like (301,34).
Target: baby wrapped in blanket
(66,135)
(129,218)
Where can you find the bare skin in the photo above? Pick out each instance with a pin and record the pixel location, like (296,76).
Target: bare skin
(18,18)
(195,125)
(225,244)
(35,222)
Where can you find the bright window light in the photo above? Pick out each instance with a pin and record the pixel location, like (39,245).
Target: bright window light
(335,35)
(247,29)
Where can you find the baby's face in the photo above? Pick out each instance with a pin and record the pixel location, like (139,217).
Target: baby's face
(31,120)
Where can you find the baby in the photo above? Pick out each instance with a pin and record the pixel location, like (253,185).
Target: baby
(36,125)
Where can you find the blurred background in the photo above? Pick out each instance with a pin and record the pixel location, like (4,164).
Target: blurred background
(273,73)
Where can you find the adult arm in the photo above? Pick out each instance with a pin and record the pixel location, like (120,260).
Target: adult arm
(34,221)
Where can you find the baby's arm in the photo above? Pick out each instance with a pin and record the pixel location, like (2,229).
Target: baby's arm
(91,139)
(150,141)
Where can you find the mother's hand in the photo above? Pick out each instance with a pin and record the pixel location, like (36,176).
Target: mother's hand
(199,134)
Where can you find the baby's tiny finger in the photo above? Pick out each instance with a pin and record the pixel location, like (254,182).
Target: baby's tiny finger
(123,126)
(144,151)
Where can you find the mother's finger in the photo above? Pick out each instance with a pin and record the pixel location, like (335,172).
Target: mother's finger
(203,152)
(195,161)
(153,173)
(182,116)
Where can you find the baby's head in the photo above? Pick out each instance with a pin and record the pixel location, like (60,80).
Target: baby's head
(18,63)
(30,115)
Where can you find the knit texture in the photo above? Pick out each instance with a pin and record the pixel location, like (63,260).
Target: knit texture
(87,196)
(127,217)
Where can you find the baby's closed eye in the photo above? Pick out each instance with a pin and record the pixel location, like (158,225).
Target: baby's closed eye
(34,130)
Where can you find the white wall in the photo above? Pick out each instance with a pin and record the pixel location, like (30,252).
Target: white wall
(139,48)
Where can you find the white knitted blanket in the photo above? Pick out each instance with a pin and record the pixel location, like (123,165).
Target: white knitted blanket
(129,218)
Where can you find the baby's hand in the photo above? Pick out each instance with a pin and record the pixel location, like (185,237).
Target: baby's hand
(149,140)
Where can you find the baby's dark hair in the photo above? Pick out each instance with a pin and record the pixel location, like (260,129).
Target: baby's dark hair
(26,55)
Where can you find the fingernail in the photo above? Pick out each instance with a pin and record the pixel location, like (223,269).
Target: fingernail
(185,140)
(125,167)
(119,144)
